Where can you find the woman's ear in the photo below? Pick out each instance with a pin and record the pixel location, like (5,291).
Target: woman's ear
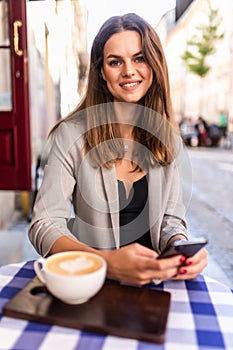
(102,74)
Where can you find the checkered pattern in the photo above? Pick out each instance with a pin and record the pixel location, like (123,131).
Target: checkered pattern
(201,317)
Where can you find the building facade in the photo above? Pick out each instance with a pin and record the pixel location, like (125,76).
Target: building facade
(193,96)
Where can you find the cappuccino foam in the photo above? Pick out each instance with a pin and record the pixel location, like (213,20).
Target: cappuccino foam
(74,264)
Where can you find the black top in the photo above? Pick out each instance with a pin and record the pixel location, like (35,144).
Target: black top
(134,213)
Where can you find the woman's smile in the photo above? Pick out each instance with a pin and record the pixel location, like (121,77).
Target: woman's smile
(130,85)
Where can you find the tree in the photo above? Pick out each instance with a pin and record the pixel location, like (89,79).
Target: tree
(202,44)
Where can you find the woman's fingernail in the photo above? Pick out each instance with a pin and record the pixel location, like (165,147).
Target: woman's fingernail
(174,275)
(188,263)
(182,259)
(182,271)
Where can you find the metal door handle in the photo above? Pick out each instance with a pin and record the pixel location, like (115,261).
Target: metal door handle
(17,24)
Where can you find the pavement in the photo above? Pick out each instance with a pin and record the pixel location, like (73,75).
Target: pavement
(14,243)
(16,247)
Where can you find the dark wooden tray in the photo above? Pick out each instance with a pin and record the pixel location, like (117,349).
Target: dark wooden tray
(120,310)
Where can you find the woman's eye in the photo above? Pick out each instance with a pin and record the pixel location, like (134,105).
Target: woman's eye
(140,59)
(114,63)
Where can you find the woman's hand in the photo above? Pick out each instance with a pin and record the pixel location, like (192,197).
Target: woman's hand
(192,266)
(137,264)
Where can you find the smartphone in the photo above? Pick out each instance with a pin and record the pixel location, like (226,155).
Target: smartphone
(183,247)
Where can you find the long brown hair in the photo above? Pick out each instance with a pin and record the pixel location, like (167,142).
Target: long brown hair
(157,99)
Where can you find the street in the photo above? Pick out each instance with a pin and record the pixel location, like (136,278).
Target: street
(210,211)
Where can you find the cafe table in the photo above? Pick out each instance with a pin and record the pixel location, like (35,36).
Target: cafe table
(200,317)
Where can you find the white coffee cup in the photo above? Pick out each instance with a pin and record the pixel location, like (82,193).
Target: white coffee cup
(74,276)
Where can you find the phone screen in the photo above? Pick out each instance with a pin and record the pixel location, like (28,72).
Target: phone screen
(186,248)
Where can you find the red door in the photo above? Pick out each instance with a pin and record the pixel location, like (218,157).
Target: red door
(15,151)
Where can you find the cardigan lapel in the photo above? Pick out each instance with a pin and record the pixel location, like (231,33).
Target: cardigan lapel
(111,191)
(156,200)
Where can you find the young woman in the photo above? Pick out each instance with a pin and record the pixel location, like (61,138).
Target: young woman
(116,161)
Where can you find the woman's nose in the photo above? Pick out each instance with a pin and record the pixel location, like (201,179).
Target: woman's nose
(128,70)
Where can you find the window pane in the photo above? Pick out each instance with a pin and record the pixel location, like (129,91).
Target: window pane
(4,24)
(5,81)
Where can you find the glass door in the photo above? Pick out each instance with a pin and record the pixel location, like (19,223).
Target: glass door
(15,152)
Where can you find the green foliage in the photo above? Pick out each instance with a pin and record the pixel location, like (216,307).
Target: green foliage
(199,47)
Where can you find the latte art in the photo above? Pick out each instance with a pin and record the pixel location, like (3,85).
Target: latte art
(74,264)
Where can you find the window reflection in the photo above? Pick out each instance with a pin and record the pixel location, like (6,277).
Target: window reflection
(5,63)
(5,81)
(4,24)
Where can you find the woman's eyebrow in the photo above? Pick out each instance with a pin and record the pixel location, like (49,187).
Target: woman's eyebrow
(119,56)
(113,56)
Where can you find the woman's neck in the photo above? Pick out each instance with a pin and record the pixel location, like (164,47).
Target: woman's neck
(126,131)
(126,115)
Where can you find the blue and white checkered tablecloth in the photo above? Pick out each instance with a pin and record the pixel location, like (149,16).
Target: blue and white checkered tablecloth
(200,317)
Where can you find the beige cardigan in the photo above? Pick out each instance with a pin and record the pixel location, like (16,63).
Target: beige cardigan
(94,192)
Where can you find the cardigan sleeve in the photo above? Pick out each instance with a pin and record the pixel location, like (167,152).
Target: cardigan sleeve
(174,221)
(52,208)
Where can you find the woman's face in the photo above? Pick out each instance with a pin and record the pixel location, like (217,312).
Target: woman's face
(125,71)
